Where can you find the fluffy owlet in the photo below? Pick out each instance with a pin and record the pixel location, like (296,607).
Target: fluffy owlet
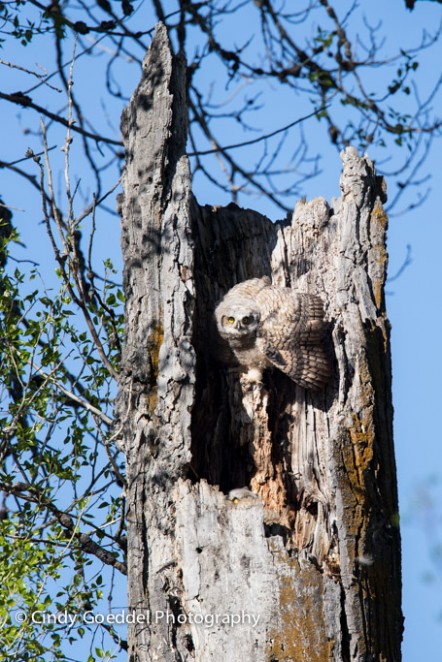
(267,326)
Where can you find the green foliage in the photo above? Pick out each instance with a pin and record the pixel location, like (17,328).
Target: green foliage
(25,29)
(56,475)
(409,66)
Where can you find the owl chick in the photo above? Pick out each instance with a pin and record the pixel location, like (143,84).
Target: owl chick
(267,326)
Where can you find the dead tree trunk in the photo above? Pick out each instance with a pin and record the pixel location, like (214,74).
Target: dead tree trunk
(304,564)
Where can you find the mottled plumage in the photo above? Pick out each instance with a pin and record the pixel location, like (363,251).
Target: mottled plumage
(267,326)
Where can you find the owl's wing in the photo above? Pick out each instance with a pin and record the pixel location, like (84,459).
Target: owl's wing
(306,365)
(291,336)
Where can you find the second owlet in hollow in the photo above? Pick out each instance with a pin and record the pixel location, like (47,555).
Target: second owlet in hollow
(267,326)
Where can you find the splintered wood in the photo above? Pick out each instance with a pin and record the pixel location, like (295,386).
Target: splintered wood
(259,501)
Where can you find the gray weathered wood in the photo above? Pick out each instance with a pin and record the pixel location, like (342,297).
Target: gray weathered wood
(306,550)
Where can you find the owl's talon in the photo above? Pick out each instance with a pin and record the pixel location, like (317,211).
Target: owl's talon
(251,377)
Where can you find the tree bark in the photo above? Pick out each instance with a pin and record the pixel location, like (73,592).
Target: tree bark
(264,504)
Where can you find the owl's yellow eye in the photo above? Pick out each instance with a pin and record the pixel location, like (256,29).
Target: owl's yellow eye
(231,320)
(246,320)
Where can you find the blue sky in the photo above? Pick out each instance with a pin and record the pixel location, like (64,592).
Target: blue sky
(414,300)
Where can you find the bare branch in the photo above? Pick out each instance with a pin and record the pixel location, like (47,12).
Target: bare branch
(26,102)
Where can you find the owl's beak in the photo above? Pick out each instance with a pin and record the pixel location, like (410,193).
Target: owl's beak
(238,325)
